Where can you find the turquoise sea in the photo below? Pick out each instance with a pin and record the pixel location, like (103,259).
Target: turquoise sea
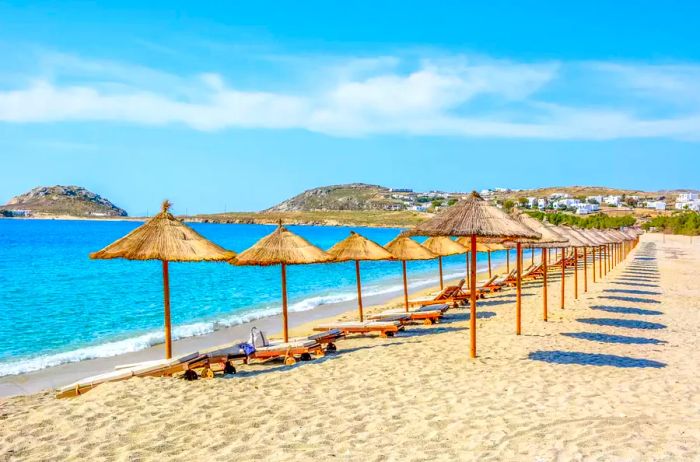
(59,306)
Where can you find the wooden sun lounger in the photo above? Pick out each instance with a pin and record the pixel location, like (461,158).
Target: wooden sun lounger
(423,314)
(385,329)
(159,368)
(390,316)
(327,338)
(489,285)
(289,351)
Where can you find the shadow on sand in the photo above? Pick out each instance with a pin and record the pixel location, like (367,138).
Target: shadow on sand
(592,359)
(629,299)
(609,338)
(626,323)
(626,310)
(632,291)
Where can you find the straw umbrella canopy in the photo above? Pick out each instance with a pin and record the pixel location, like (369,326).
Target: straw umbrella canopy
(167,239)
(356,247)
(596,242)
(576,243)
(404,248)
(479,220)
(550,238)
(282,247)
(590,242)
(443,246)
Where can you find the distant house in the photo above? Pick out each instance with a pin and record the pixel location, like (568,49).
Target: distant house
(541,204)
(596,199)
(584,209)
(613,201)
(687,197)
(689,205)
(531,202)
(419,208)
(402,190)
(656,205)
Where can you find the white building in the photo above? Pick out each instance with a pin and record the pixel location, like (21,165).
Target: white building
(656,205)
(558,195)
(613,200)
(687,197)
(584,209)
(419,208)
(531,202)
(598,199)
(541,204)
(689,205)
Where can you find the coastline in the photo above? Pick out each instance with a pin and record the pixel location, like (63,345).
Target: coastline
(300,323)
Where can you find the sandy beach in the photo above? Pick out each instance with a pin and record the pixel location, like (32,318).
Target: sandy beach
(613,376)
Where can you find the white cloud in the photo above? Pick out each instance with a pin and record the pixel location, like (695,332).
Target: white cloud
(453,95)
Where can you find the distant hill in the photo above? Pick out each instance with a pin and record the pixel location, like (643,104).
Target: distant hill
(355,196)
(71,201)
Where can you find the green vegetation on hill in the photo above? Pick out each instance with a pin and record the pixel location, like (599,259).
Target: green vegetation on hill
(599,220)
(687,223)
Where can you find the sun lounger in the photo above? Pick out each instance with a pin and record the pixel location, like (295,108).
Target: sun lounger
(287,350)
(327,338)
(488,285)
(158,368)
(391,315)
(423,314)
(385,329)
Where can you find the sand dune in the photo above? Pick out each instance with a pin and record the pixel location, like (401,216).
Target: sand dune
(611,377)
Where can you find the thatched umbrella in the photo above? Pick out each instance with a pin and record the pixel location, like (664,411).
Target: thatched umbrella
(282,247)
(404,248)
(487,247)
(576,244)
(478,219)
(443,246)
(602,257)
(550,238)
(596,243)
(167,239)
(355,248)
(583,237)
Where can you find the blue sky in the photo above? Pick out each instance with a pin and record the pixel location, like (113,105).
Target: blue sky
(239,105)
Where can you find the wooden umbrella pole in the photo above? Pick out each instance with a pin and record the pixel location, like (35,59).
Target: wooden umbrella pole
(166,300)
(518,288)
(544,283)
(563,277)
(507,261)
(405,285)
(440,265)
(468,278)
(284,303)
(600,262)
(359,289)
(593,262)
(472,299)
(575,273)
(489,253)
(532,256)
(585,269)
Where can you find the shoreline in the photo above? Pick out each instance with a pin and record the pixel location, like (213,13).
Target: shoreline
(300,323)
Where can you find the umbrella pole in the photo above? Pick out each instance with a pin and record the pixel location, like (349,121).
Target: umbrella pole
(468,278)
(166,300)
(284,302)
(440,265)
(519,252)
(585,269)
(544,283)
(359,289)
(532,256)
(600,263)
(563,277)
(472,299)
(507,261)
(489,254)
(593,262)
(575,273)
(405,285)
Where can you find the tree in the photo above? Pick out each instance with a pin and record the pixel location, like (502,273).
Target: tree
(508,205)
(451,202)
(523,201)
(436,202)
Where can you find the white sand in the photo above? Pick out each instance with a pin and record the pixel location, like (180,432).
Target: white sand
(419,396)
